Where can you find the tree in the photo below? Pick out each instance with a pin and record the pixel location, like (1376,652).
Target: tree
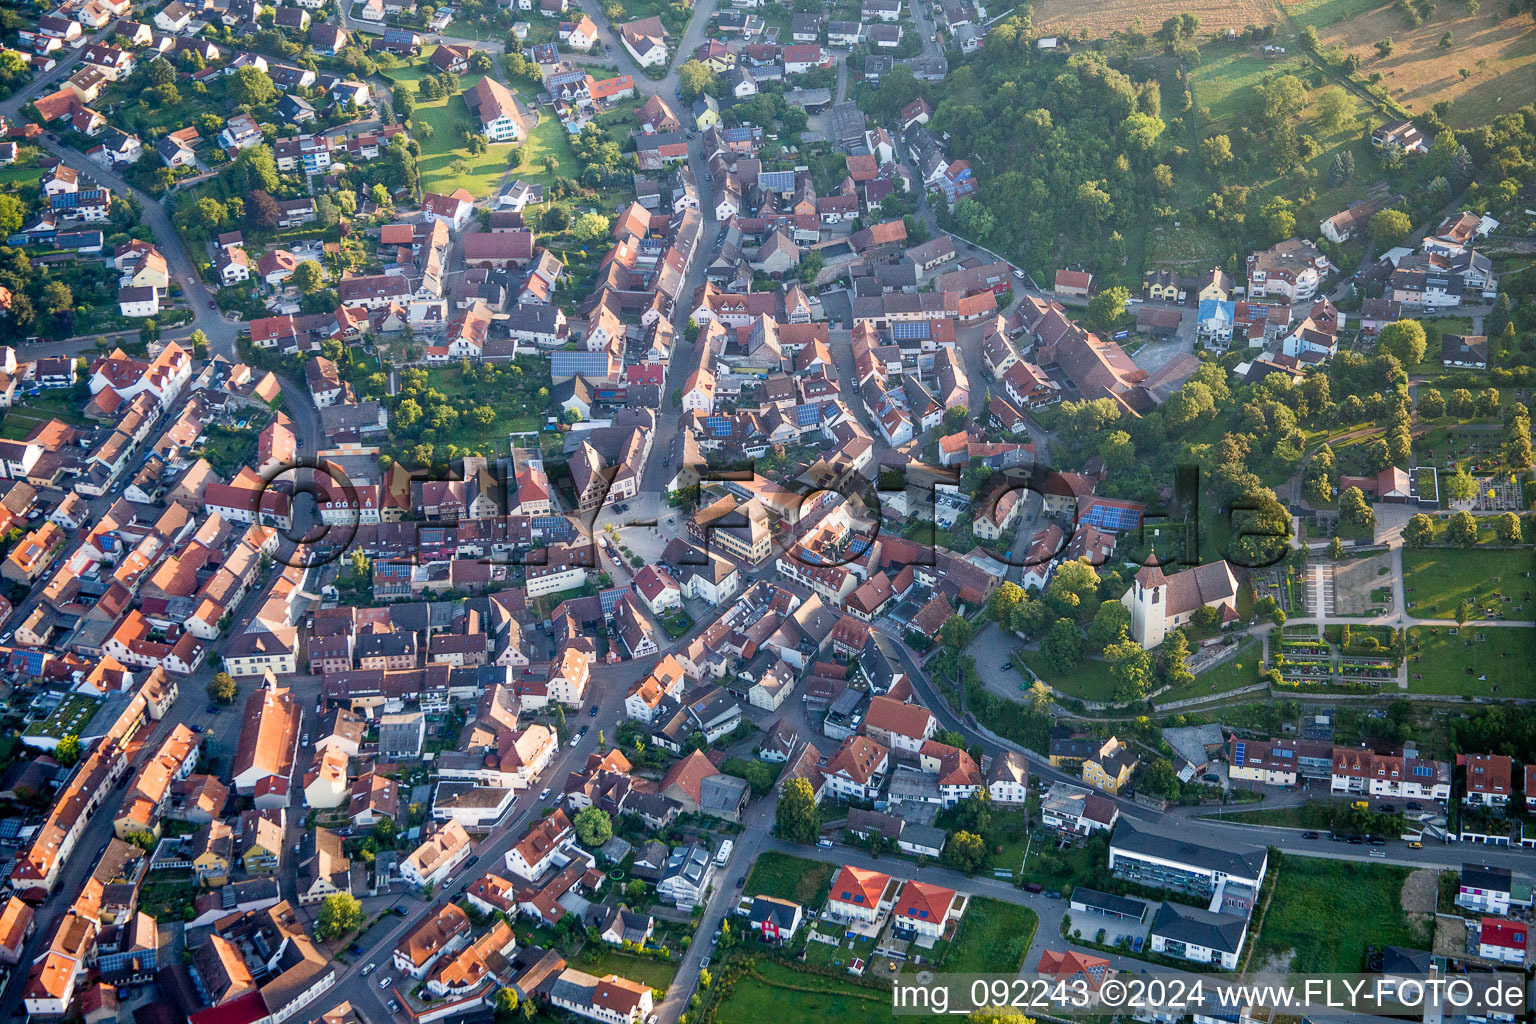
(1332,109)
(1131,668)
(506,1003)
(1281,100)
(1389,227)
(1418,531)
(1159,779)
(1507,528)
(956,633)
(1354,510)
(1108,306)
(1062,647)
(1117,451)
(1461,529)
(593,827)
(340,914)
(12,213)
(1431,404)
(1111,624)
(965,851)
(797,819)
(1216,152)
(222,688)
(57,298)
(1336,549)
(1402,339)
(1342,169)
(693,78)
(1174,652)
(307,277)
(142,838)
(1072,585)
(68,750)
(1463,611)
(974,220)
(589,227)
(1460,485)
(251,87)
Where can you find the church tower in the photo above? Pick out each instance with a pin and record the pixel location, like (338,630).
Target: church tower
(1147,601)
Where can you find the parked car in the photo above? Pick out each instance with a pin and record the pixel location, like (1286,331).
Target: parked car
(1309,835)
(544,795)
(394,1007)
(384,982)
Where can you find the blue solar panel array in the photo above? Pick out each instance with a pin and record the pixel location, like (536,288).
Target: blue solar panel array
(776,181)
(909,330)
(718,426)
(1238,752)
(610,598)
(1112,517)
(807,415)
(1422,770)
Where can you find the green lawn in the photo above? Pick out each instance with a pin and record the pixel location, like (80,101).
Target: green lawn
(777,992)
(993,937)
(644,969)
(1326,912)
(447,116)
(1236,672)
(1496,665)
(1309,815)
(790,878)
(1436,580)
(1088,679)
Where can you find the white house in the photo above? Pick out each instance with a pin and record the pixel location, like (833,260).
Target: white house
(1189,933)
(434,860)
(858,894)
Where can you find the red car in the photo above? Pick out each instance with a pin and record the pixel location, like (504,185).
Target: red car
(212,304)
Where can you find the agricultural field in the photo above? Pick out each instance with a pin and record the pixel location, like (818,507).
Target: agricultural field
(1073,17)
(1498,51)
(1478,661)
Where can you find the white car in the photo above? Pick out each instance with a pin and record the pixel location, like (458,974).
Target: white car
(369,969)
(544,796)
(575,740)
(384,982)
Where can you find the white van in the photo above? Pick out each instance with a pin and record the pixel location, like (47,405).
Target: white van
(724,854)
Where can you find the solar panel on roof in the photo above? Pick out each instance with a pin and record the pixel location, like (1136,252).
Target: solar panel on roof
(1112,517)
(1239,751)
(907,330)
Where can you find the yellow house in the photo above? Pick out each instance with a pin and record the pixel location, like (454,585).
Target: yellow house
(210,851)
(1110,769)
(1106,765)
(1213,284)
(706,112)
(1162,286)
(261,841)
